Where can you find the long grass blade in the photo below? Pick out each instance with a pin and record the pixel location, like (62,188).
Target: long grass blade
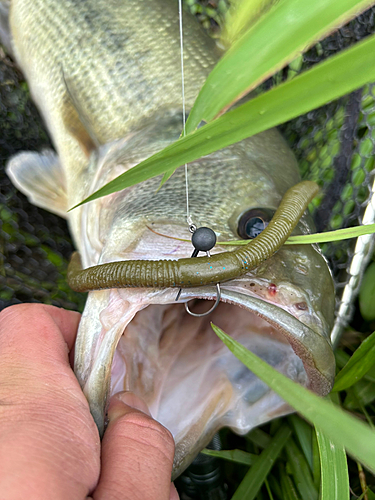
(240,16)
(304,433)
(316,460)
(237,456)
(308,239)
(334,422)
(301,472)
(268,489)
(338,234)
(285,31)
(256,475)
(358,365)
(303,239)
(367,294)
(288,489)
(259,437)
(324,82)
(275,483)
(334,469)
(360,394)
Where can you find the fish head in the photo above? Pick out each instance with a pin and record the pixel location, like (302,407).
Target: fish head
(142,340)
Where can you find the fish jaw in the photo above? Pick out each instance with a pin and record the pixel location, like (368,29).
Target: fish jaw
(142,341)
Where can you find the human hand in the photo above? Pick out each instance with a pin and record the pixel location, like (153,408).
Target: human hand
(49,444)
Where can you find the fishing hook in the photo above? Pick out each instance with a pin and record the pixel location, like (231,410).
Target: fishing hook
(203,240)
(217,302)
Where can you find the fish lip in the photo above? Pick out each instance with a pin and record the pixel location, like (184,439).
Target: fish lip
(312,347)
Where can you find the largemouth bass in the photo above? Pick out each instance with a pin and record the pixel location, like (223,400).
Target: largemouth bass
(106,77)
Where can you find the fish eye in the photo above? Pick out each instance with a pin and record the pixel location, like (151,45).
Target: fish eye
(252,222)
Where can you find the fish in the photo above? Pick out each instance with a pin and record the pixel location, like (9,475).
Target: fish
(106,77)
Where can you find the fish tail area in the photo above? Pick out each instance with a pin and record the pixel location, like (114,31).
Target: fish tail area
(41,178)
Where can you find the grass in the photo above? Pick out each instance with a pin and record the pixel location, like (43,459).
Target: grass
(306,469)
(306,239)
(309,464)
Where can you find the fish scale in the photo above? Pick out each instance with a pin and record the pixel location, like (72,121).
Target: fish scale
(129,80)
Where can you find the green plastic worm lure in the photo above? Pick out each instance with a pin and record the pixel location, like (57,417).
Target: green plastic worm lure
(198,271)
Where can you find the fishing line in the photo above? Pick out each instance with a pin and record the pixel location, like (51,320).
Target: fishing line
(192,227)
(188,218)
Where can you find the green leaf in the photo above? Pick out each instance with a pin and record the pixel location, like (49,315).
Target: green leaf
(274,482)
(256,475)
(238,456)
(268,489)
(324,82)
(166,177)
(301,472)
(334,422)
(304,434)
(316,460)
(240,16)
(367,294)
(357,366)
(308,239)
(279,36)
(334,469)
(304,239)
(370,375)
(361,394)
(259,437)
(289,491)
(338,234)
(341,358)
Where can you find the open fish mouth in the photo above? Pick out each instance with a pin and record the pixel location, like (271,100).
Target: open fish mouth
(143,341)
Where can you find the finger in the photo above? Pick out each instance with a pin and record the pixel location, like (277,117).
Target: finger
(49,446)
(18,319)
(137,454)
(173,493)
(66,321)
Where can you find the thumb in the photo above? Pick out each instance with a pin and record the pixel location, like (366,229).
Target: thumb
(137,454)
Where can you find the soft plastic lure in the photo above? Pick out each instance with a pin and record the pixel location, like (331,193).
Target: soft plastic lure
(198,271)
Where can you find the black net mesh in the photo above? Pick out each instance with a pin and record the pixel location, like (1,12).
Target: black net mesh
(334,145)
(34,244)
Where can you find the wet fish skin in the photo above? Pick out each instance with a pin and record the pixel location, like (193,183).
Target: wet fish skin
(106,76)
(122,58)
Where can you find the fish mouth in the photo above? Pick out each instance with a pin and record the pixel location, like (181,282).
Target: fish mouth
(143,341)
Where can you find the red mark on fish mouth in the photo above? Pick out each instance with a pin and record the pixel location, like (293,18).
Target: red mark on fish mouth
(272,289)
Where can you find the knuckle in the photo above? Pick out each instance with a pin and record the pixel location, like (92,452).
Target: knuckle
(147,431)
(13,313)
(28,324)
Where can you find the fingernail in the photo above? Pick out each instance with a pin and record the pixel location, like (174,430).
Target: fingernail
(130,399)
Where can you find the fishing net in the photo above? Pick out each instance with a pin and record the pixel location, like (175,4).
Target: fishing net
(334,145)
(35,245)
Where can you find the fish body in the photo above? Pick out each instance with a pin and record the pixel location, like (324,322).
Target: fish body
(106,77)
